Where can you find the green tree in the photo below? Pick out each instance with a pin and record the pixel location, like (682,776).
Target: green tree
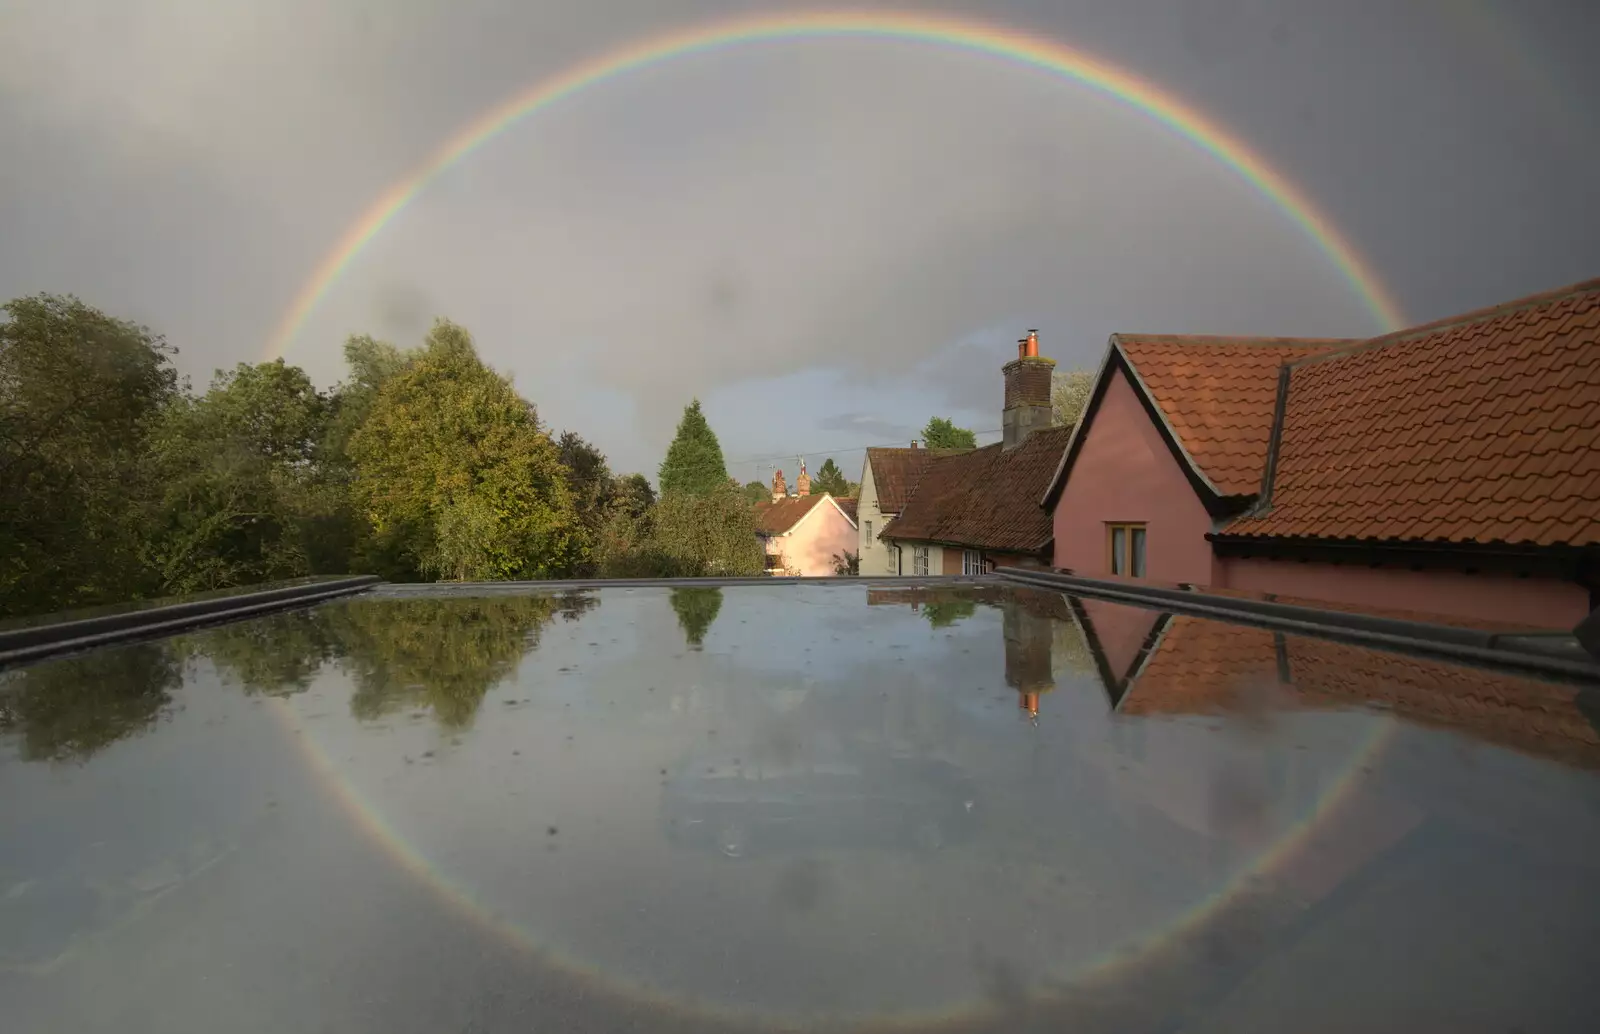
(1069,395)
(756,492)
(712,535)
(594,490)
(453,471)
(634,494)
(79,395)
(241,497)
(829,478)
(696,610)
(694,463)
(942,434)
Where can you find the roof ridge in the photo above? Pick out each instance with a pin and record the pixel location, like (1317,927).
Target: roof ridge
(1240,339)
(1482,315)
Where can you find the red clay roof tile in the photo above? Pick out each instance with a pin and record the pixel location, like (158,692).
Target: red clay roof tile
(1218,395)
(1482,421)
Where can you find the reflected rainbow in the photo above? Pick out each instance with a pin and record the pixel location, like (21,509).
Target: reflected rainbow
(1024,49)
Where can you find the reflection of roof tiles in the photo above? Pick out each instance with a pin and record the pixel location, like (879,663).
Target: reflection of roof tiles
(775,518)
(1218,395)
(1483,428)
(1199,666)
(1518,712)
(987,498)
(895,473)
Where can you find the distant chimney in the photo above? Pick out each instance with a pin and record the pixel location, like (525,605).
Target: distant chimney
(780,488)
(802,484)
(1027,404)
(913,443)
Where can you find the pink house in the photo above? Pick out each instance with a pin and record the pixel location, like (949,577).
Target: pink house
(1453,468)
(802,533)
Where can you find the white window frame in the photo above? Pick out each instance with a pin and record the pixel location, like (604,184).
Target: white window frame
(971,562)
(919,560)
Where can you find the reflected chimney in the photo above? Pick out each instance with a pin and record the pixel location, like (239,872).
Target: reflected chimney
(1028,642)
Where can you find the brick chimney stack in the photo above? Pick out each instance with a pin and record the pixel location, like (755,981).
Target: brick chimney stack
(1027,405)
(802,484)
(780,488)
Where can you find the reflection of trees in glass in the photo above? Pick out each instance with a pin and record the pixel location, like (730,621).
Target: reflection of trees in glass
(944,613)
(444,653)
(72,707)
(277,654)
(696,609)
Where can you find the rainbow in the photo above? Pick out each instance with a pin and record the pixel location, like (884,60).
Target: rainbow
(1030,51)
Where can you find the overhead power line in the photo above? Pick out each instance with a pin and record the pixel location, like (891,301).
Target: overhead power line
(902,442)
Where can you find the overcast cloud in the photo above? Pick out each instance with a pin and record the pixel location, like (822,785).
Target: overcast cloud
(827,241)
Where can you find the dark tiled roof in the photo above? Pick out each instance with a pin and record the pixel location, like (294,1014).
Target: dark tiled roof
(1218,395)
(895,473)
(775,518)
(1480,429)
(985,499)
(848,506)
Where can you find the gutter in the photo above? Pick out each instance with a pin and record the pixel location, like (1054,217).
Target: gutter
(33,643)
(1549,655)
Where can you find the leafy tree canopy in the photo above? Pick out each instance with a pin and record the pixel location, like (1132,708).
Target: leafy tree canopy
(79,394)
(1069,395)
(829,478)
(942,434)
(694,463)
(453,468)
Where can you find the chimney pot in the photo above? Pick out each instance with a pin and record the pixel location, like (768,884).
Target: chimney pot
(1033,342)
(913,443)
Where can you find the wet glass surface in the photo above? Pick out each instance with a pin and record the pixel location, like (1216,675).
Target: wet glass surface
(789,807)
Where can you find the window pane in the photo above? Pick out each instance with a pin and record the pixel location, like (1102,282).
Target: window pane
(1119,551)
(1138,552)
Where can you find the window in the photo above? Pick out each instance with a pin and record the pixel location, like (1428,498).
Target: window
(867,525)
(1125,549)
(971,561)
(919,560)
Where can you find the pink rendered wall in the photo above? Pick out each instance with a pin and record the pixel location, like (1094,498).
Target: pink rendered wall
(811,546)
(1525,601)
(1125,472)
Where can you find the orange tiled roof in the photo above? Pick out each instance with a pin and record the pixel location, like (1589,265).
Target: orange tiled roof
(775,518)
(848,506)
(1484,428)
(1218,395)
(895,473)
(985,499)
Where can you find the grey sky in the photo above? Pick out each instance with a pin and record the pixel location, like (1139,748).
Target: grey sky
(827,241)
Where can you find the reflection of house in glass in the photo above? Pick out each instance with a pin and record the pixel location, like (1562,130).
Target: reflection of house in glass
(1152,663)
(1033,624)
